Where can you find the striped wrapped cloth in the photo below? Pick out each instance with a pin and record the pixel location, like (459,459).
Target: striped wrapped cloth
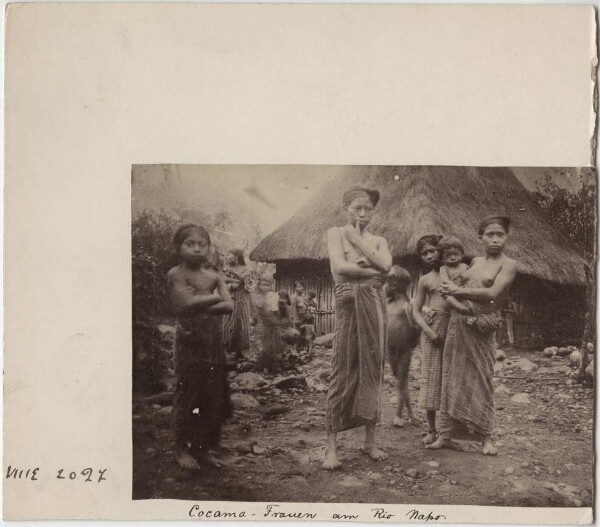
(467,389)
(236,325)
(359,345)
(431,361)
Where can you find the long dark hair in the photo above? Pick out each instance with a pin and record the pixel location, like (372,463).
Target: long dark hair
(356,192)
(503,221)
(180,236)
(184,231)
(398,281)
(429,239)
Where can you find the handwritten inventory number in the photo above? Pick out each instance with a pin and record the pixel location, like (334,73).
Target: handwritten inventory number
(87,474)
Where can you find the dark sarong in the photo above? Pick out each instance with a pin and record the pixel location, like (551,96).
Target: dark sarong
(359,346)
(202,400)
(468,369)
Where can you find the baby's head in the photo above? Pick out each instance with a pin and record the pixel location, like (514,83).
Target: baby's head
(312,295)
(451,250)
(398,281)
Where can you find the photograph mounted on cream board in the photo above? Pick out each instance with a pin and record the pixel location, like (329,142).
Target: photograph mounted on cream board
(300,262)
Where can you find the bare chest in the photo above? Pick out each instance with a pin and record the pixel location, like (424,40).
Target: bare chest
(201,282)
(484,272)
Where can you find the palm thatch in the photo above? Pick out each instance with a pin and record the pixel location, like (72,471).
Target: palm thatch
(421,200)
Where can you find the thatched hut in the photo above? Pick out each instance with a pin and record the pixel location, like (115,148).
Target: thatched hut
(549,291)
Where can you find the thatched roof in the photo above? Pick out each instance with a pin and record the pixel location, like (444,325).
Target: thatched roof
(425,200)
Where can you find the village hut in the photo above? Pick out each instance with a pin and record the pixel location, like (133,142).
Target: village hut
(549,292)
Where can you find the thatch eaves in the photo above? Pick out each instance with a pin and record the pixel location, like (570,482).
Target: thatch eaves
(421,200)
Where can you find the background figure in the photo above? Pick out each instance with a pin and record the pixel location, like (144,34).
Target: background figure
(289,333)
(311,302)
(269,331)
(403,336)
(307,331)
(237,325)
(285,309)
(299,305)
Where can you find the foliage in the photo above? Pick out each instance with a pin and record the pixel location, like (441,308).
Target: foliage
(222,220)
(574,213)
(152,256)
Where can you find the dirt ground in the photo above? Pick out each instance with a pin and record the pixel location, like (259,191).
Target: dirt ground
(544,433)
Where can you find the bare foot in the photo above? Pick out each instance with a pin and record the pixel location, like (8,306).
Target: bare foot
(211,460)
(331,461)
(430,437)
(444,442)
(415,421)
(374,453)
(398,421)
(186,460)
(488,448)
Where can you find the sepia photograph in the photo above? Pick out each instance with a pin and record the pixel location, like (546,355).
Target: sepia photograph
(307,262)
(363,334)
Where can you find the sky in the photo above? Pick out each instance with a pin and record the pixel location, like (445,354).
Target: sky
(267,194)
(264,194)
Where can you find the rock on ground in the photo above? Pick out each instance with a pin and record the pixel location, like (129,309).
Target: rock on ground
(523,364)
(287,383)
(325,340)
(520,398)
(249,381)
(243,400)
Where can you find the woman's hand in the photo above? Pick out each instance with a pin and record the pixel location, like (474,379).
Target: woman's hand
(448,289)
(362,262)
(352,233)
(436,340)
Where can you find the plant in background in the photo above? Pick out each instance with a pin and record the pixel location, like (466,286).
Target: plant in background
(152,256)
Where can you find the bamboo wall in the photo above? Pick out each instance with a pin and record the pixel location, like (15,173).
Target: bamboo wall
(315,276)
(547,314)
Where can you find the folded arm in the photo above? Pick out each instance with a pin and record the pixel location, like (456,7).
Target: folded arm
(376,251)
(338,262)
(501,285)
(226,305)
(184,300)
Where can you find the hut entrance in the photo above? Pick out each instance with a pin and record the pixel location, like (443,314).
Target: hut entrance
(315,276)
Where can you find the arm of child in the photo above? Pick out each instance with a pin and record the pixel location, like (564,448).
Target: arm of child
(458,305)
(183,299)
(376,251)
(501,284)
(226,306)
(339,264)
(418,306)
(444,274)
